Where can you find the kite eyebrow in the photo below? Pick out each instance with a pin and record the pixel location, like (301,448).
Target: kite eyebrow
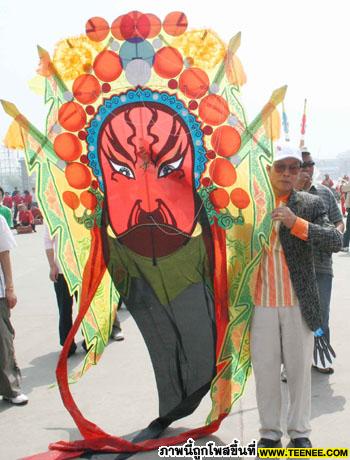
(114,141)
(180,153)
(115,160)
(171,142)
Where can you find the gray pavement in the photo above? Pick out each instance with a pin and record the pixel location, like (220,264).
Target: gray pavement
(119,394)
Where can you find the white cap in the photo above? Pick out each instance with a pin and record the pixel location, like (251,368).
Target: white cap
(283,151)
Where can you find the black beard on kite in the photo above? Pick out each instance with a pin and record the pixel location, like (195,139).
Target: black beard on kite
(153,234)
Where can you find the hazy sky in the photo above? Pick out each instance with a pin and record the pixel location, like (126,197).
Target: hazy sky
(302,43)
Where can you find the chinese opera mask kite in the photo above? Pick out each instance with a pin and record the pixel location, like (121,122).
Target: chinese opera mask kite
(156,185)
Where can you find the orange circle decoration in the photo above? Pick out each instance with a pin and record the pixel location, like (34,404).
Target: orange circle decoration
(72,116)
(240,198)
(175,23)
(107,66)
(71,200)
(97,29)
(194,83)
(78,175)
(213,110)
(86,89)
(155,25)
(223,172)
(88,200)
(67,147)
(115,28)
(168,62)
(226,141)
(220,198)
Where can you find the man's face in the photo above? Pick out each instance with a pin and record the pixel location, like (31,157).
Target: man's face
(308,165)
(146,156)
(284,175)
(306,172)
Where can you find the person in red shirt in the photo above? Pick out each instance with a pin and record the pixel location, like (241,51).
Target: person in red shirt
(7,201)
(17,200)
(25,217)
(327,181)
(38,217)
(27,199)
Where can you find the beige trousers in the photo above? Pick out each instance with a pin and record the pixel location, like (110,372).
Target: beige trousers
(281,335)
(9,371)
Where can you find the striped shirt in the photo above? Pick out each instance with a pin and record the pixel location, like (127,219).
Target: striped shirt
(274,287)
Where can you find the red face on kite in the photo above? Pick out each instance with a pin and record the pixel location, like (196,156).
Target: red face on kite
(147,161)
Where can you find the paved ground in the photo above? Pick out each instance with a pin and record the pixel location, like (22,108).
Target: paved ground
(119,394)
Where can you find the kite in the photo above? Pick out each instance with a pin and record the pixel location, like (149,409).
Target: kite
(156,185)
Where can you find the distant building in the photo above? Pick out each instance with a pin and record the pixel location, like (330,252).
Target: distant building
(336,167)
(344,163)
(13,170)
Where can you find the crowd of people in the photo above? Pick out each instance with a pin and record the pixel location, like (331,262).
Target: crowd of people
(21,211)
(292,294)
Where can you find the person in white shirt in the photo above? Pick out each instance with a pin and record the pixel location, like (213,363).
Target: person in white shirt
(63,296)
(10,375)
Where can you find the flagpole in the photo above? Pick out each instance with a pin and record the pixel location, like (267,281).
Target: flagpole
(285,123)
(303,126)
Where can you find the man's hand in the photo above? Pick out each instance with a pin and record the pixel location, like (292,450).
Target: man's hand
(285,215)
(10,297)
(304,181)
(53,272)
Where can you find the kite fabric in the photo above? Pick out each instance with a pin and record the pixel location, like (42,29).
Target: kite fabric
(156,186)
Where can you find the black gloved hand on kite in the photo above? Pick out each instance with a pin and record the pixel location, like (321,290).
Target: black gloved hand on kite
(323,351)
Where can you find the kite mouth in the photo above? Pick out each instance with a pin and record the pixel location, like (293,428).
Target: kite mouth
(153,234)
(160,216)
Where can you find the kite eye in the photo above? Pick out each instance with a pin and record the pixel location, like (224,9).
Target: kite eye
(168,168)
(122,169)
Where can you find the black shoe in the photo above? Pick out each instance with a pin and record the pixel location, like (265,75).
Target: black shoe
(72,350)
(301,443)
(284,376)
(268,443)
(321,370)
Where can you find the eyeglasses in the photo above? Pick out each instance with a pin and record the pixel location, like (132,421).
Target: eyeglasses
(307,164)
(281,168)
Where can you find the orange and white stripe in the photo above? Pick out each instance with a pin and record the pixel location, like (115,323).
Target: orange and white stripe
(274,287)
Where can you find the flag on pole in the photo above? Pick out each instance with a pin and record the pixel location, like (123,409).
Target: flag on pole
(285,123)
(303,126)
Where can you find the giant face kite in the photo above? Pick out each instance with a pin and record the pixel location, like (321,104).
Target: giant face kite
(157,186)
(147,160)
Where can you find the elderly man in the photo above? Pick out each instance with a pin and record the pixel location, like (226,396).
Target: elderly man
(10,375)
(287,307)
(322,257)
